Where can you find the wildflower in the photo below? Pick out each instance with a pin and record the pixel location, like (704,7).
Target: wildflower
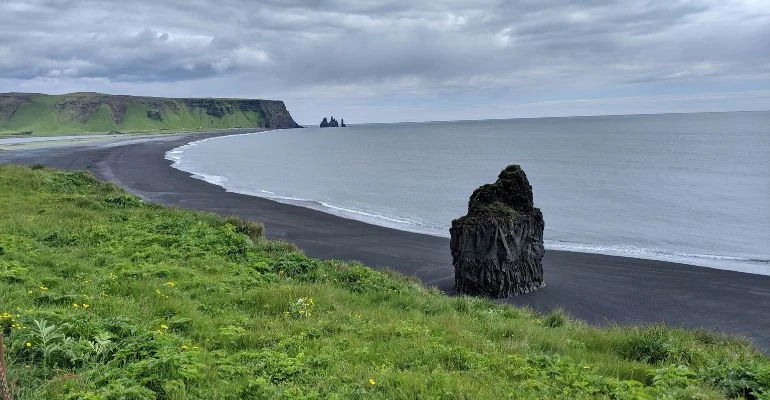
(163,326)
(29,344)
(372,382)
(184,347)
(43,288)
(170,284)
(75,305)
(86,305)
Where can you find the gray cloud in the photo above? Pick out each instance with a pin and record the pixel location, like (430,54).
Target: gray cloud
(366,49)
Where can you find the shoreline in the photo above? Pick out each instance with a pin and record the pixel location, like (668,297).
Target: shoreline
(600,289)
(430,230)
(744,264)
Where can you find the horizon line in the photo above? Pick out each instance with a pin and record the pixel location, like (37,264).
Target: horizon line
(548,117)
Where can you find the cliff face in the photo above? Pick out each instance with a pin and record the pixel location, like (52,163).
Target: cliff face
(277,115)
(95,112)
(497,248)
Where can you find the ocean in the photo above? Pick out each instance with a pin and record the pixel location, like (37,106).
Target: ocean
(689,188)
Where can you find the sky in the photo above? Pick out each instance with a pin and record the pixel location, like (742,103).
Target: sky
(389,61)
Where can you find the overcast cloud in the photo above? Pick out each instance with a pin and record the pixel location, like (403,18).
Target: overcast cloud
(400,60)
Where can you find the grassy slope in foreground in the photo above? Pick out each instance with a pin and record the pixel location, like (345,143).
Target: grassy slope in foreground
(100,113)
(105,297)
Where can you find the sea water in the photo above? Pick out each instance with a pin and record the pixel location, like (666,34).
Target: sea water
(690,188)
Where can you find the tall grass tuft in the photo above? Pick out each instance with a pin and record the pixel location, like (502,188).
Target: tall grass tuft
(556,318)
(254,230)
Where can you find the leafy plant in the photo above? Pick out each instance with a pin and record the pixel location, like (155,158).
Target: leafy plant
(302,308)
(48,339)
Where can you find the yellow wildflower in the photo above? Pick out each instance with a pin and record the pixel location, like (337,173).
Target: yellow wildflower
(163,326)
(86,305)
(372,382)
(29,344)
(75,305)
(184,347)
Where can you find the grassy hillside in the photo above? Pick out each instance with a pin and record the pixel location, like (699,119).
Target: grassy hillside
(22,113)
(105,297)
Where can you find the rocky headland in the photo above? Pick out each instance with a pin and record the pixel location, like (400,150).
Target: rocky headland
(97,112)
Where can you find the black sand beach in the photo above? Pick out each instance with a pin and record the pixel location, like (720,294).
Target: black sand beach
(596,288)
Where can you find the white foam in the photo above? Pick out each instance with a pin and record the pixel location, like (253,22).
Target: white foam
(174,155)
(212,179)
(370,217)
(733,263)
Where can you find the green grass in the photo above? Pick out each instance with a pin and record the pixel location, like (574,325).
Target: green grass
(105,297)
(42,117)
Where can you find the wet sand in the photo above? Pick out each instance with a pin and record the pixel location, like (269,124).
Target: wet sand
(599,289)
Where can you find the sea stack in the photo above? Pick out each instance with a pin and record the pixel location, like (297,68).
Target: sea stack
(497,248)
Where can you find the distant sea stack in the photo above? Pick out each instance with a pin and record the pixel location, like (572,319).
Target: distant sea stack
(96,112)
(497,248)
(333,123)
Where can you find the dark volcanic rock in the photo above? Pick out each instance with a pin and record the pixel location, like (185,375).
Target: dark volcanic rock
(331,123)
(77,109)
(155,114)
(497,248)
(276,115)
(274,112)
(118,112)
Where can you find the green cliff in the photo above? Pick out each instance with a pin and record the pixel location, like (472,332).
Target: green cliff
(99,113)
